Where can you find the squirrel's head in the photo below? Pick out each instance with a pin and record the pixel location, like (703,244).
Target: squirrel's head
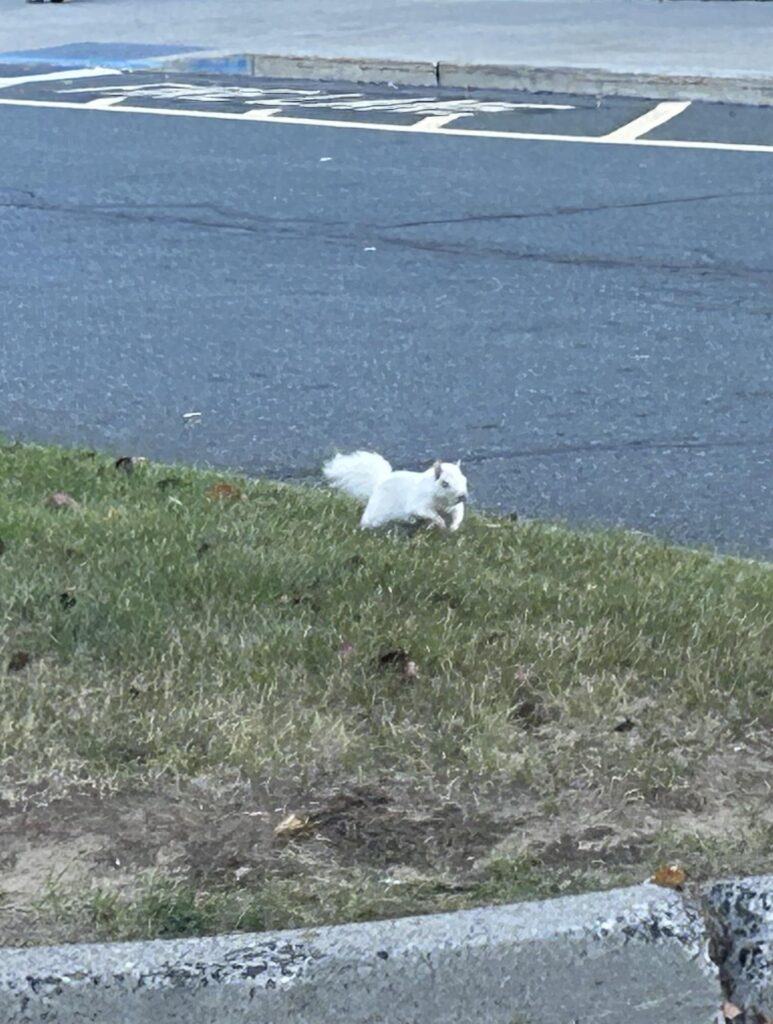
(450,484)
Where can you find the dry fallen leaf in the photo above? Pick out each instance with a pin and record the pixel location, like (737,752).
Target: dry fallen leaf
(224,492)
(293,825)
(670,875)
(730,1011)
(18,661)
(397,658)
(625,726)
(61,500)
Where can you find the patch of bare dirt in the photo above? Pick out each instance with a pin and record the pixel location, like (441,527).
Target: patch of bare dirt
(214,834)
(223,833)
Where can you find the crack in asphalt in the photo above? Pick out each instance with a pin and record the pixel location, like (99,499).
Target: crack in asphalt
(310,474)
(228,219)
(636,444)
(261,225)
(760,275)
(565,211)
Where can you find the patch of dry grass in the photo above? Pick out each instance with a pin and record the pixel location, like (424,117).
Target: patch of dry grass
(515,710)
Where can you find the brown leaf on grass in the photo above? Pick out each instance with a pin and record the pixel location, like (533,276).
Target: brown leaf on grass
(531,713)
(224,492)
(61,500)
(670,875)
(400,660)
(297,599)
(730,1011)
(396,658)
(18,661)
(293,826)
(625,726)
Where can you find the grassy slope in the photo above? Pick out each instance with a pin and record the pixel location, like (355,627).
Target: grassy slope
(184,644)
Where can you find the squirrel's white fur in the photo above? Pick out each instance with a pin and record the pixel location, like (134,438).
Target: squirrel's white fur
(436,496)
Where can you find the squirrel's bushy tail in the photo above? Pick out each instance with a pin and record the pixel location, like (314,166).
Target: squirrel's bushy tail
(357,474)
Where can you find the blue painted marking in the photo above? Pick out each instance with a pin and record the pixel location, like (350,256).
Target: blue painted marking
(233,65)
(109,55)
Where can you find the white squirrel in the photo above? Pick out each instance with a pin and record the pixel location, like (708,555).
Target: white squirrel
(436,496)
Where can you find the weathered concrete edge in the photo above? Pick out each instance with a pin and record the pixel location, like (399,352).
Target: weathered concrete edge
(756,90)
(744,89)
(642,951)
(327,69)
(739,915)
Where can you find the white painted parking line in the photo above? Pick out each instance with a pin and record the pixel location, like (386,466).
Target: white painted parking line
(204,94)
(261,113)
(436,121)
(654,118)
(103,102)
(54,76)
(467,133)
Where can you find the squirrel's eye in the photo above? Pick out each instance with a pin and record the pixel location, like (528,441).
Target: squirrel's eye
(445,483)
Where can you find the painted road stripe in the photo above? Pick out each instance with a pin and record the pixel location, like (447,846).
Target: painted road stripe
(54,76)
(103,102)
(261,113)
(654,118)
(434,122)
(470,133)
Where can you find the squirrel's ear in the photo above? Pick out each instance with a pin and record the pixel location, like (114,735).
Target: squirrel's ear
(438,467)
(459,463)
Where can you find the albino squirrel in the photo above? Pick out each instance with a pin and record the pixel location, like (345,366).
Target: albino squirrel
(436,496)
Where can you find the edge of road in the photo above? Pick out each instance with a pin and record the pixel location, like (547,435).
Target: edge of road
(741,88)
(588,81)
(642,949)
(652,954)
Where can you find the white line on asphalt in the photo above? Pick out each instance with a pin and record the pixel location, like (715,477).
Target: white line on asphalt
(654,118)
(261,113)
(103,102)
(53,76)
(470,133)
(434,122)
(199,94)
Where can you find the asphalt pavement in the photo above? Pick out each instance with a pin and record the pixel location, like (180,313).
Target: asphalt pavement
(585,322)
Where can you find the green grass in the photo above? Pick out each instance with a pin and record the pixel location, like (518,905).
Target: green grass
(199,667)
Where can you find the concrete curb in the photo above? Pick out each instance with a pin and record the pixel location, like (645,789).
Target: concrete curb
(745,89)
(748,89)
(742,913)
(640,955)
(752,90)
(326,69)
